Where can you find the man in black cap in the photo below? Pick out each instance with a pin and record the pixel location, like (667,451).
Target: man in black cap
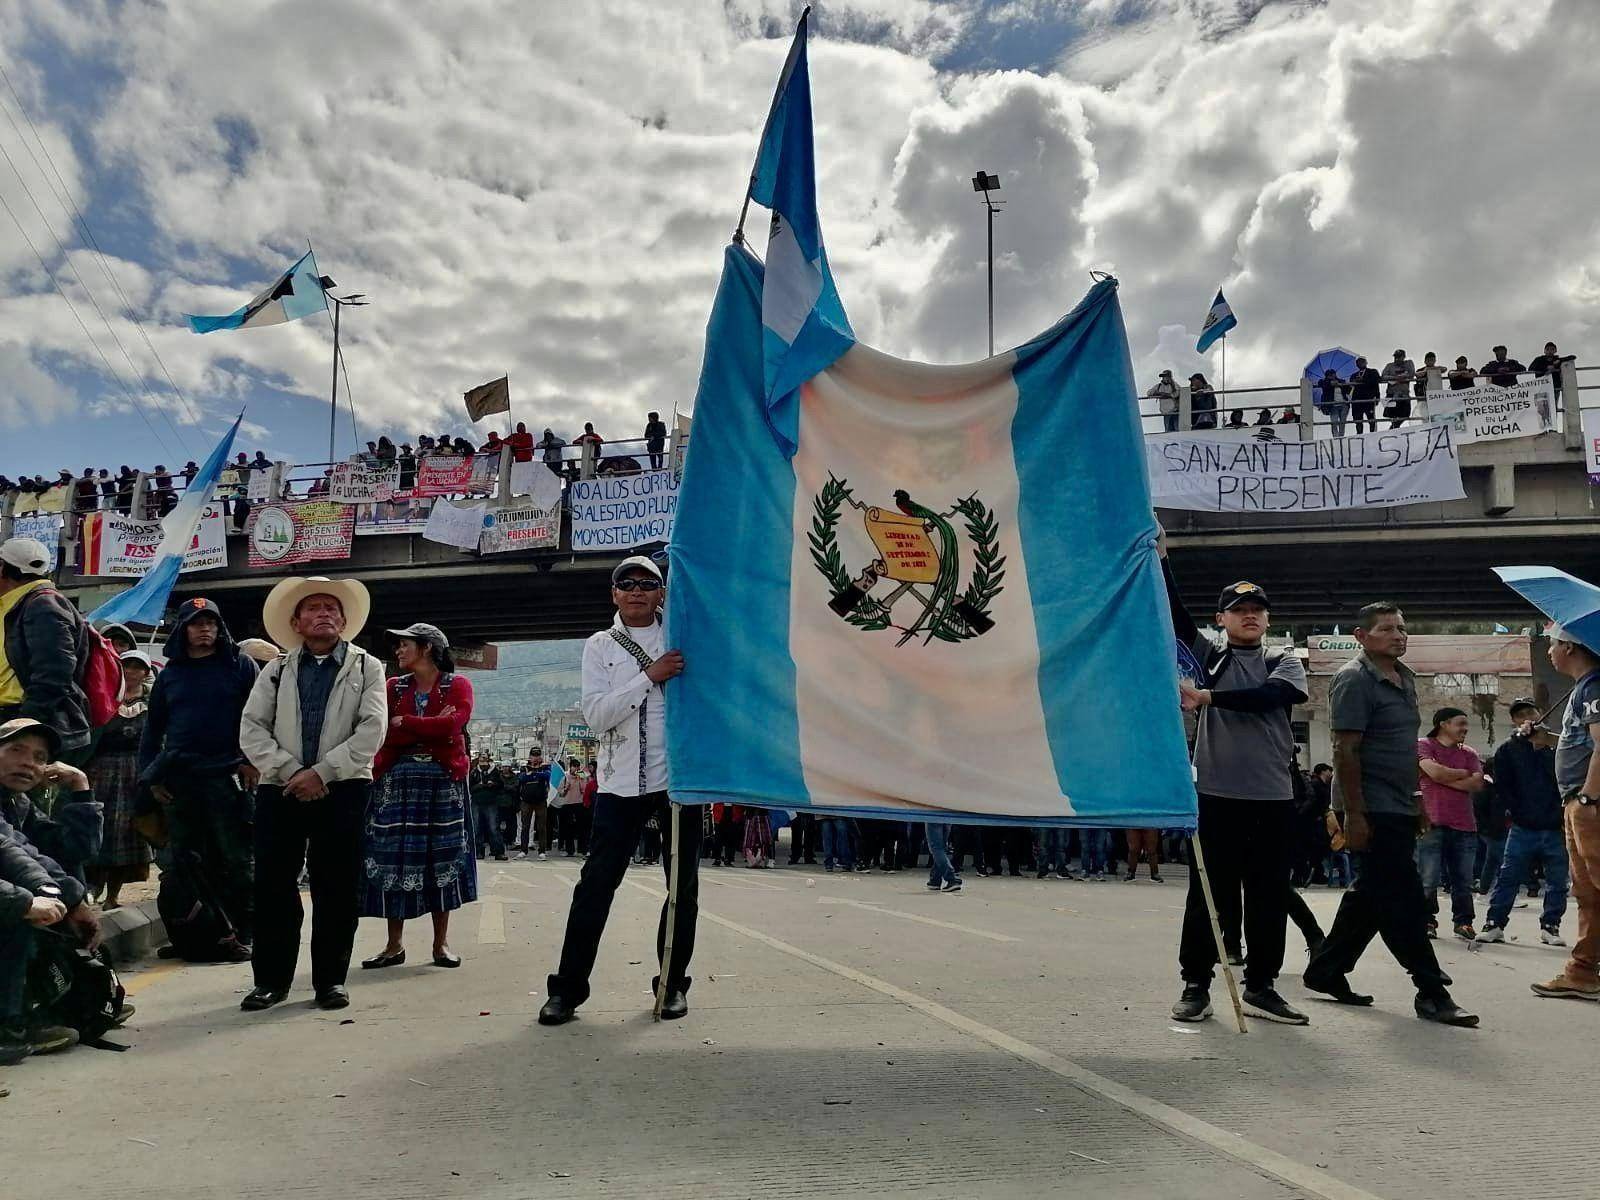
(624,668)
(191,761)
(1243,755)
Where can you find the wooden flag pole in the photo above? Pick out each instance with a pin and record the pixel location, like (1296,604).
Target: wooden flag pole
(674,869)
(1216,931)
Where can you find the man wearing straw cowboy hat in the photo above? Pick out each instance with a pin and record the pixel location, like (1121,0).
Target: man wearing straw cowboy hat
(312,725)
(624,668)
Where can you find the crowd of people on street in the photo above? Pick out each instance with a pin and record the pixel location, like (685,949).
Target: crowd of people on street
(251,770)
(1355,393)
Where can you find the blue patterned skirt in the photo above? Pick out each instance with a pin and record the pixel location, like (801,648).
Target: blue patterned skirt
(418,858)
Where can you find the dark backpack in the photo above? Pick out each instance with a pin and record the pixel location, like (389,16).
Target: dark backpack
(75,987)
(196,924)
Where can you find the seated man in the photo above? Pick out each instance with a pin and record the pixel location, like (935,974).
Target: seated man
(70,833)
(35,890)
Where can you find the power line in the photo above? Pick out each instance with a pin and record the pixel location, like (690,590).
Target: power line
(64,198)
(138,375)
(110,370)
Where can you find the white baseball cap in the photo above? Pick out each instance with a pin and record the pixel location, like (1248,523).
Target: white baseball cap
(27,555)
(636,562)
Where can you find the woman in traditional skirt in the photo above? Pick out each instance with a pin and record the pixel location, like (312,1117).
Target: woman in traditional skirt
(419,855)
(113,771)
(757,838)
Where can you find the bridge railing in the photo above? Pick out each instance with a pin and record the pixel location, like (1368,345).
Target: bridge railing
(1296,404)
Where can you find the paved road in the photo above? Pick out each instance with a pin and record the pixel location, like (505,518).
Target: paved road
(848,1035)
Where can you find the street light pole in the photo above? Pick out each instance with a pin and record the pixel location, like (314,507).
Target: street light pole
(355,300)
(985,185)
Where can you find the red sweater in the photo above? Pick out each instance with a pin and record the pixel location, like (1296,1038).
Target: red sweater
(438,736)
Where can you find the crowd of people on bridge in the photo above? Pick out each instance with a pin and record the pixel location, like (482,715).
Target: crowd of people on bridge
(247,770)
(77,493)
(1355,393)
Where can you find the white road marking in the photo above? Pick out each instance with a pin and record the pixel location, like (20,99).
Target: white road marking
(491,922)
(919,918)
(1311,1180)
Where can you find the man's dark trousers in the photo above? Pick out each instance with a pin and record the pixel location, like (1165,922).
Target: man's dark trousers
(618,822)
(17,945)
(802,838)
(324,835)
(1386,900)
(211,817)
(1246,845)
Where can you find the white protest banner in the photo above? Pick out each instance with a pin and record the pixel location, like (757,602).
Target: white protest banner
(357,483)
(1591,443)
(115,545)
(45,529)
(455,525)
(1371,470)
(619,512)
(1488,413)
(536,480)
(527,528)
(268,484)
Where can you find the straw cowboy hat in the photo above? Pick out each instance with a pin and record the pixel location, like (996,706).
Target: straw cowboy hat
(277,614)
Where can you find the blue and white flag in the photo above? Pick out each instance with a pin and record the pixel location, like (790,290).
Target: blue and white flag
(146,601)
(294,294)
(946,604)
(558,773)
(1218,321)
(804,326)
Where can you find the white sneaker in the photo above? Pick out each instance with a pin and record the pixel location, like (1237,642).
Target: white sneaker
(542,856)
(1551,937)
(1491,933)
(518,856)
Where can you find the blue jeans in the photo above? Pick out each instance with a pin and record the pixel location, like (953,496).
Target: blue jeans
(1524,847)
(836,843)
(1338,863)
(487,817)
(1053,842)
(939,868)
(1457,848)
(1491,852)
(1096,850)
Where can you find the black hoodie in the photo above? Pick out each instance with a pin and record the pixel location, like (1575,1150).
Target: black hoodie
(196,703)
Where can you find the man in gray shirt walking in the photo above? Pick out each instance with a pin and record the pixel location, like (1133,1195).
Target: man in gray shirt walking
(1373,710)
(1242,758)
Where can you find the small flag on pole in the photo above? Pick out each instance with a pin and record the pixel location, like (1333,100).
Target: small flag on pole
(1218,321)
(558,774)
(294,294)
(487,398)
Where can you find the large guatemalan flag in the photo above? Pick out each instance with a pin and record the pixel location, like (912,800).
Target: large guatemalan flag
(906,590)
(294,294)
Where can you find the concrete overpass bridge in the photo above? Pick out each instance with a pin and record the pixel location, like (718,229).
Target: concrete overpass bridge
(1528,501)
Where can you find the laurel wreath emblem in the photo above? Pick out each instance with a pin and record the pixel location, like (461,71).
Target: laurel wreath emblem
(988,570)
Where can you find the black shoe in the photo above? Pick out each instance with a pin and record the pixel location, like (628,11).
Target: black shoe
(1193,1005)
(262,998)
(1235,956)
(1438,1007)
(1156,878)
(556,1011)
(1267,1004)
(1336,988)
(333,997)
(676,1005)
(233,950)
(380,960)
(447,960)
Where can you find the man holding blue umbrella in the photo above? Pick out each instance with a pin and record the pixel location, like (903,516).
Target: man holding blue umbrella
(1574,607)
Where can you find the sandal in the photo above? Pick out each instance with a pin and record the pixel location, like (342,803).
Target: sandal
(383,960)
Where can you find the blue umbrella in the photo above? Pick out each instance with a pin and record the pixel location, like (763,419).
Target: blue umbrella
(1569,602)
(1342,362)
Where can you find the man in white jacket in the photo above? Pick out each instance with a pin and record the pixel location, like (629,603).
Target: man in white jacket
(624,668)
(314,721)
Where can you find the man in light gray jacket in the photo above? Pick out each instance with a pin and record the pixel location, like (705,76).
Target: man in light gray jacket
(312,726)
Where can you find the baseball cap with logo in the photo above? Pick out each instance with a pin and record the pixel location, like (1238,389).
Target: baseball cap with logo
(27,555)
(1238,593)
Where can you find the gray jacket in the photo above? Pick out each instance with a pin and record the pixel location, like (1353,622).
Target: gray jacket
(353,726)
(25,874)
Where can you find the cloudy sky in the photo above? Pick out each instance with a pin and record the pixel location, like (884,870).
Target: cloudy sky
(543,189)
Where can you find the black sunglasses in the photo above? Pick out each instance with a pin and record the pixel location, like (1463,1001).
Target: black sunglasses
(637,585)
